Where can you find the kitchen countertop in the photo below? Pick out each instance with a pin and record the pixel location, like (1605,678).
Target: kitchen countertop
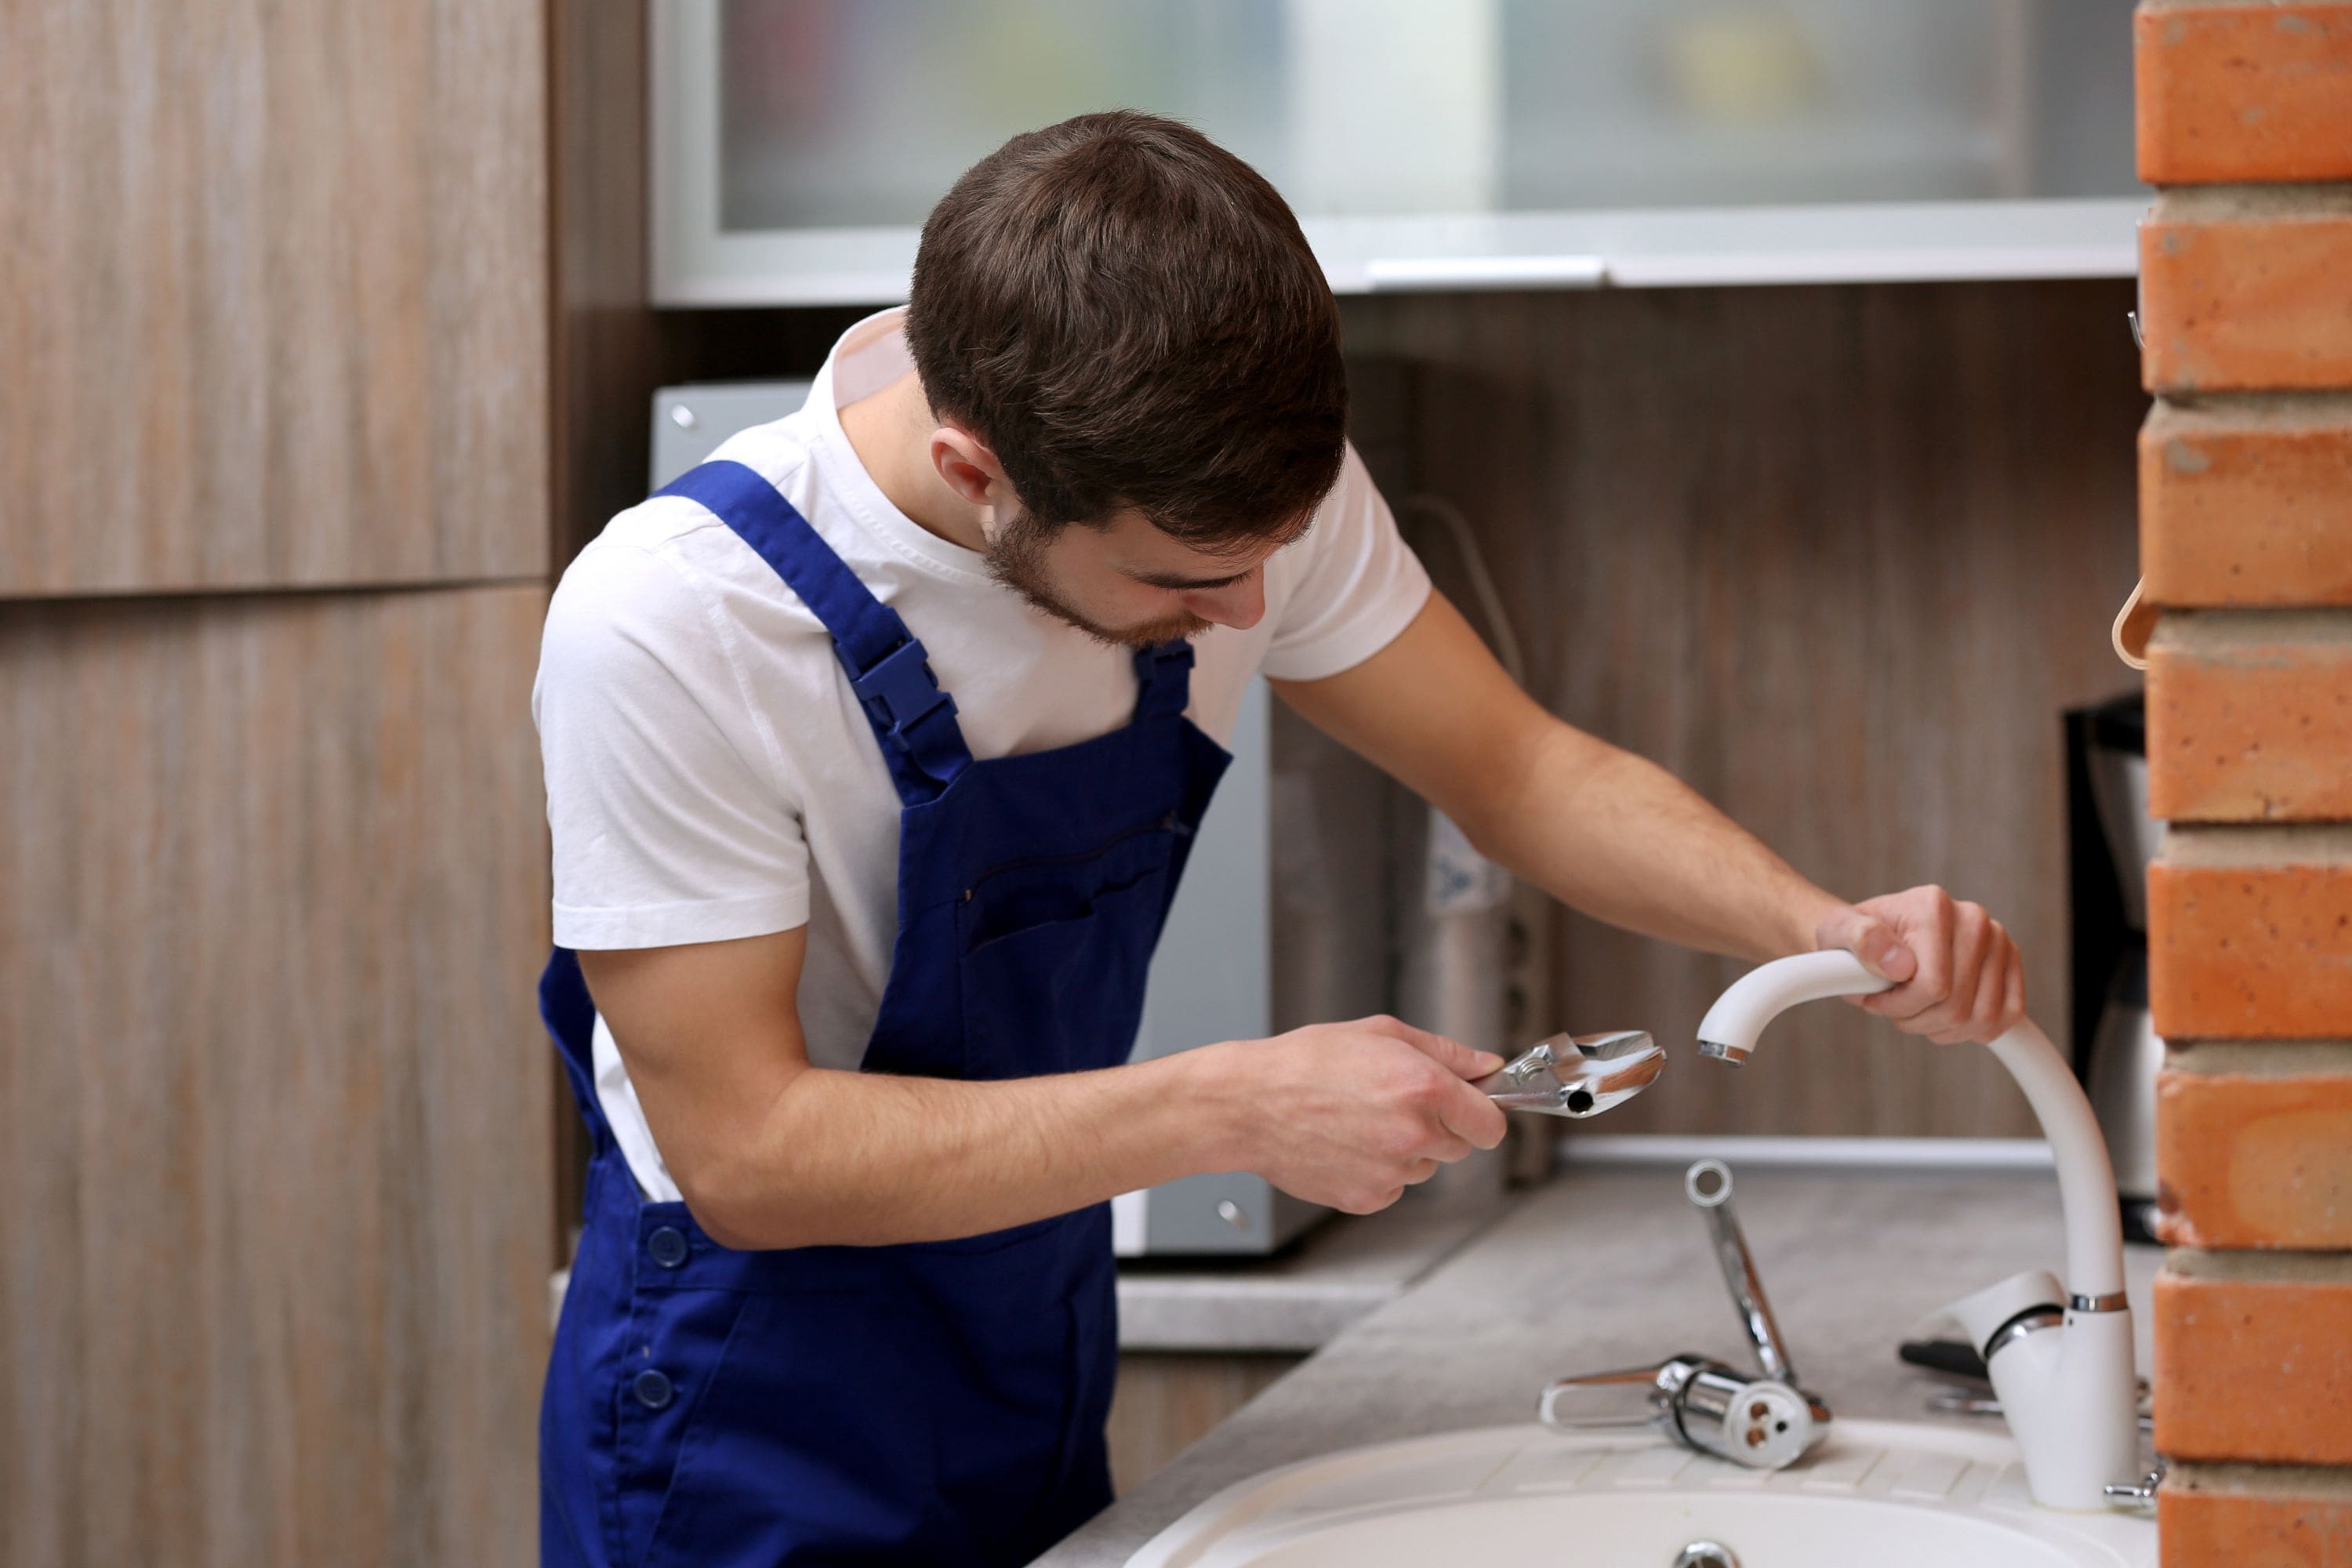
(1342,1271)
(1607,1267)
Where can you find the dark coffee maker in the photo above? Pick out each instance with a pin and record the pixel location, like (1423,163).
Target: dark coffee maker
(2110,842)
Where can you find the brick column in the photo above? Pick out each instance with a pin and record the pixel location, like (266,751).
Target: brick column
(2245,124)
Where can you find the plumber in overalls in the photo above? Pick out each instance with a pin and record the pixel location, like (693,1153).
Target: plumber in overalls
(874,749)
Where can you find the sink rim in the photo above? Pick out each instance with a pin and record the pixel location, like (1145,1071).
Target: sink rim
(1250,1505)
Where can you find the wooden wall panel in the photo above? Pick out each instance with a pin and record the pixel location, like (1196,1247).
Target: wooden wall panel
(1839,557)
(275,300)
(274,1102)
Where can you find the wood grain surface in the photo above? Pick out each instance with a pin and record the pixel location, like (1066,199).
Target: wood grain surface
(1166,1403)
(1839,557)
(274,1100)
(276,308)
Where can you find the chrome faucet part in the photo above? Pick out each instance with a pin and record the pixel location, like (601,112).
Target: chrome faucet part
(1764,1423)
(1707,1554)
(1577,1075)
(2140,1496)
(1761,1423)
(1708,1185)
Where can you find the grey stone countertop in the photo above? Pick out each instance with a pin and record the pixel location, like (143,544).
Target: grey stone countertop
(1609,1266)
(1342,1271)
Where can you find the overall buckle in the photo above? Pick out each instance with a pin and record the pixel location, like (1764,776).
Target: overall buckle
(901,691)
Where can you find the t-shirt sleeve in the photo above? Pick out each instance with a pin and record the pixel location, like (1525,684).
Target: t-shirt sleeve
(669,819)
(1358,585)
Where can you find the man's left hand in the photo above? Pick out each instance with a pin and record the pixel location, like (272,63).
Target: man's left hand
(1958,975)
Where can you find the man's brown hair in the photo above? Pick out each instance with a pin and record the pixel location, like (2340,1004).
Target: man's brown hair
(1128,316)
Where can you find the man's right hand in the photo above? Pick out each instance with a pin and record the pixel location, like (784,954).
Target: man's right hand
(1350,1115)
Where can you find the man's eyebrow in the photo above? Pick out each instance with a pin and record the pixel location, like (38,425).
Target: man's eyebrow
(1283,540)
(1178,580)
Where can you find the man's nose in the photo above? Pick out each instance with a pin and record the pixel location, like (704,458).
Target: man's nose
(1240,605)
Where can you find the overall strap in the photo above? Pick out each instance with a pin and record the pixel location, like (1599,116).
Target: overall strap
(1163,679)
(888,670)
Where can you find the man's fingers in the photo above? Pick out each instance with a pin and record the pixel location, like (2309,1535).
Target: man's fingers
(1971,946)
(1930,946)
(1451,1055)
(1471,1117)
(1447,1146)
(1871,939)
(1984,1018)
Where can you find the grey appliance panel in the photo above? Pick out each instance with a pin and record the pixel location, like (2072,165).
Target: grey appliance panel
(1210,979)
(1224,1212)
(689,421)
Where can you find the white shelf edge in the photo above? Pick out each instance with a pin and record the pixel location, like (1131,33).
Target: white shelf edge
(1922,242)
(1871,1154)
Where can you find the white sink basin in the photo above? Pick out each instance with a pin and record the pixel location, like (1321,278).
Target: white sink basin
(1872,1493)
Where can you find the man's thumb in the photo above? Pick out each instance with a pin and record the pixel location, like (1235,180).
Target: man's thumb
(1458,1058)
(1874,941)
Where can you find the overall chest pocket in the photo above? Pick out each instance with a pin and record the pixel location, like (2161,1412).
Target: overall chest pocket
(1055,954)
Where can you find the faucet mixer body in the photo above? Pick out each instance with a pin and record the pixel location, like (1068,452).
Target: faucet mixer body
(2060,1358)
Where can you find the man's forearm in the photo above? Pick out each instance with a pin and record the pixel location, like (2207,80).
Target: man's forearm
(866,1158)
(1598,827)
(1626,841)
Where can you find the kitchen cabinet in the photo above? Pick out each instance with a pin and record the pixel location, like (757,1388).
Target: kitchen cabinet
(275,1109)
(275,481)
(275,313)
(1551,144)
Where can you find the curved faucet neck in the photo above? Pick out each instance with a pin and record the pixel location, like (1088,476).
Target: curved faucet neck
(2086,1181)
(1729,1030)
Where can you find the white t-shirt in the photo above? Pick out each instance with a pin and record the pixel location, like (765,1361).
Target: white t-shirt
(709,774)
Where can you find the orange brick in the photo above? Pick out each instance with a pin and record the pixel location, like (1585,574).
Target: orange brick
(2255,1515)
(2259,1158)
(2249,716)
(2247,500)
(2254,1357)
(2249,933)
(2247,288)
(2242,92)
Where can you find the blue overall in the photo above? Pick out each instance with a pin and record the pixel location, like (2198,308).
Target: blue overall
(938,1404)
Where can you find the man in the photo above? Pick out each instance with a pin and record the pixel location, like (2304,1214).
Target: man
(874,749)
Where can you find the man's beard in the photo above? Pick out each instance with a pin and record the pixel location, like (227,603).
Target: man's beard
(1016,558)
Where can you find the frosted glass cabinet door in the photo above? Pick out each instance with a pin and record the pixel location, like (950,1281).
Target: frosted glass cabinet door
(807,137)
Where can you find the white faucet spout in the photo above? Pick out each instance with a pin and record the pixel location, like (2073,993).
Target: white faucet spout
(1764,992)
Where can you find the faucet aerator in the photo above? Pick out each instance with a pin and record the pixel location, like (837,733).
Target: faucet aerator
(1735,1054)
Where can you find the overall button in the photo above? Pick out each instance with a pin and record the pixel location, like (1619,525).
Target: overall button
(653,1390)
(668,1245)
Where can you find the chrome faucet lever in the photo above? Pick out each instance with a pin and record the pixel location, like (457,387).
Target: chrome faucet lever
(1698,1402)
(1708,1185)
(1577,1075)
(1764,1423)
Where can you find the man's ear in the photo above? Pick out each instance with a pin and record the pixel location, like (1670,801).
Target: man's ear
(969,469)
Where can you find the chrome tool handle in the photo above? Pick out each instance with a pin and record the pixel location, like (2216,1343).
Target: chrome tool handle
(1577,1075)
(1708,1185)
